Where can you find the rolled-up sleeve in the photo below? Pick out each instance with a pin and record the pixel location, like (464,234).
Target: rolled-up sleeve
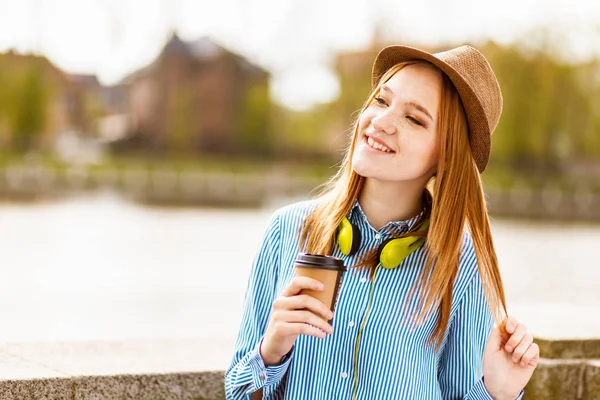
(247,372)
(460,372)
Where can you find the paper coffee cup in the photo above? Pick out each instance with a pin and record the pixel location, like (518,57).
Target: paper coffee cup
(326,269)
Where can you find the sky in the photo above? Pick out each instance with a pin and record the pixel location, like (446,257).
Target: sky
(293,39)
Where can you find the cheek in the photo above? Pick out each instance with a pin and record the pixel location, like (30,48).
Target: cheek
(364,120)
(422,150)
(432,151)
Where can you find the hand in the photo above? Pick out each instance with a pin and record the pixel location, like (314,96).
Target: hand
(294,314)
(509,359)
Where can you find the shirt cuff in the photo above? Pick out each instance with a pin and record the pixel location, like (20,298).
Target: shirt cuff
(271,375)
(479,392)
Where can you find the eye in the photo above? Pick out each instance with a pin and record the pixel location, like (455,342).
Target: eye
(380,100)
(414,120)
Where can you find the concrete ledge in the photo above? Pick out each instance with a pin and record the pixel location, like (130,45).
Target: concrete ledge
(192,385)
(570,349)
(144,370)
(57,388)
(565,380)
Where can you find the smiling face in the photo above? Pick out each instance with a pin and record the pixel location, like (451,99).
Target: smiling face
(398,136)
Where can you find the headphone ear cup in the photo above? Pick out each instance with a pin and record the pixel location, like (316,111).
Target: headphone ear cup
(382,246)
(355,239)
(348,237)
(384,255)
(393,251)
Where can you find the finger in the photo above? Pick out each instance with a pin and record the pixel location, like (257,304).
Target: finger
(300,328)
(495,338)
(522,348)
(303,301)
(511,324)
(299,283)
(531,356)
(306,317)
(518,335)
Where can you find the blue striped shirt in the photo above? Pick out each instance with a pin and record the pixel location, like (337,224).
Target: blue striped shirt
(372,353)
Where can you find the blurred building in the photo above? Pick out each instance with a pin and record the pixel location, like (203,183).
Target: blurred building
(198,96)
(85,103)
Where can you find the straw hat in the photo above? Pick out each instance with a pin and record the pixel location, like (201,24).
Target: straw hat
(474,80)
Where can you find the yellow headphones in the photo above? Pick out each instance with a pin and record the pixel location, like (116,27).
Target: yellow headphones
(391,252)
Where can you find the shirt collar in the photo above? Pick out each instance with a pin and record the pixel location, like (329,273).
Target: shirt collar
(357,213)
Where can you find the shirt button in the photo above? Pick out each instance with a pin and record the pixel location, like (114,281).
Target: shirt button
(363,280)
(378,236)
(351,324)
(262,377)
(344,375)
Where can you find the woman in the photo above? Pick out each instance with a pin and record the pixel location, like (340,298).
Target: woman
(419,327)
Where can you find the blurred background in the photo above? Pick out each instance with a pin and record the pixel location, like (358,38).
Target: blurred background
(144,145)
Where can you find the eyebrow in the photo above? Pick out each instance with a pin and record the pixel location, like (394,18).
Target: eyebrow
(411,103)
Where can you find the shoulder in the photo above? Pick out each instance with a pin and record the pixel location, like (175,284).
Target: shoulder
(292,215)
(468,268)
(288,220)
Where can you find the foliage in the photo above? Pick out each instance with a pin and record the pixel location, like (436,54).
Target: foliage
(24,102)
(253,122)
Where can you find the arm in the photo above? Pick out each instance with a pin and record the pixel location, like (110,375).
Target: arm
(460,372)
(247,372)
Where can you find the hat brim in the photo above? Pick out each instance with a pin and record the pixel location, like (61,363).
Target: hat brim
(479,133)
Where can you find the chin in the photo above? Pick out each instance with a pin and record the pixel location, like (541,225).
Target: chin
(371,173)
(365,171)
(360,168)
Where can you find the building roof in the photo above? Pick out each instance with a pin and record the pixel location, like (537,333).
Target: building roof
(203,50)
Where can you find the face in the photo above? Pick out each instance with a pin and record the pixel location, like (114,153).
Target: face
(398,132)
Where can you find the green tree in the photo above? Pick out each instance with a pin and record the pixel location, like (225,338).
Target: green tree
(180,122)
(253,121)
(28,114)
(550,108)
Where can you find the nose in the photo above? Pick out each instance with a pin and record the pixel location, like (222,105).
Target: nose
(384,122)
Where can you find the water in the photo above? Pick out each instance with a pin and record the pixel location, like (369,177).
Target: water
(104,269)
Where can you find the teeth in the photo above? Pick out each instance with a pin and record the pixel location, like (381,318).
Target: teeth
(377,146)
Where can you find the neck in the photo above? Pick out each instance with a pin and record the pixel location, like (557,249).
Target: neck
(385,201)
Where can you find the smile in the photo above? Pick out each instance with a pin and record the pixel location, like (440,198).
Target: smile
(377,146)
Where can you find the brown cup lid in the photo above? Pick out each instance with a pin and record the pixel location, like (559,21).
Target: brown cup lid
(318,261)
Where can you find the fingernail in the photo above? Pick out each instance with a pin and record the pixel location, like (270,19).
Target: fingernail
(321,286)
(522,364)
(510,327)
(330,315)
(508,348)
(515,360)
